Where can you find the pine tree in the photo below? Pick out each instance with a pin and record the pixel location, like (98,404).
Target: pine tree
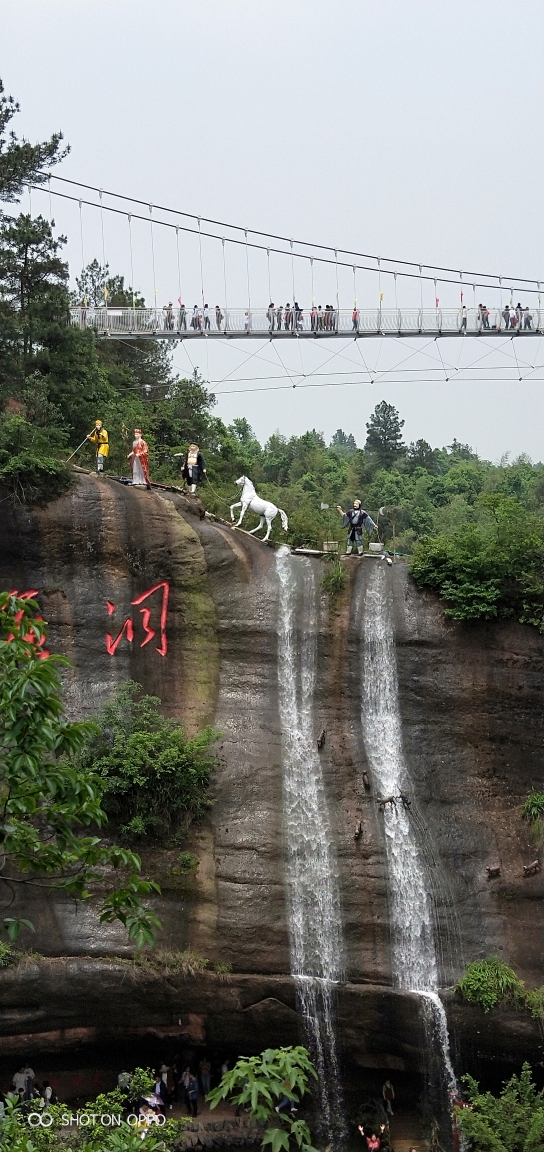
(344,441)
(384,435)
(21,162)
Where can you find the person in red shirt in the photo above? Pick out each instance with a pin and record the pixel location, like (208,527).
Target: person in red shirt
(373,1143)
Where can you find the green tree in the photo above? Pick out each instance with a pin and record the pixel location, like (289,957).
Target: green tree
(343,441)
(510,1122)
(259,1083)
(421,455)
(21,162)
(384,435)
(486,570)
(46,799)
(155,778)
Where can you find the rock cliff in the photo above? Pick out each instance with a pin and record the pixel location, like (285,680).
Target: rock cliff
(471,702)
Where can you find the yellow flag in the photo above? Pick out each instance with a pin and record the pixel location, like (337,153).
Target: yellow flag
(106,293)
(381,297)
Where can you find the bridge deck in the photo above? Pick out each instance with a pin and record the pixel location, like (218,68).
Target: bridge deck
(235,324)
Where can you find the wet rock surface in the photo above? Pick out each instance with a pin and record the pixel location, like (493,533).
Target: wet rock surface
(471,701)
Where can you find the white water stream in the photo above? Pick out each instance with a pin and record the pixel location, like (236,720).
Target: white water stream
(313,896)
(414,958)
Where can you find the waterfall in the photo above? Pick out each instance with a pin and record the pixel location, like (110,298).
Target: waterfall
(414,958)
(313,897)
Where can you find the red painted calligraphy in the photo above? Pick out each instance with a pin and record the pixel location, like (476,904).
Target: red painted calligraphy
(146,615)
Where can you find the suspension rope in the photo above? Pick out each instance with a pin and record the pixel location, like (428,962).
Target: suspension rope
(225,281)
(268,263)
(293,272)
(300,243)
(421,290)
(312,274)
(396,301)
(153,254)
(247,274)
(131,261)
(337,290)
(50,203)
(81,237)
(302,255)
(104,265)
(179,268)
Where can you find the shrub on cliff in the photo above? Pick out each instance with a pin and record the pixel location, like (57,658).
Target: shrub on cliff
(510,1122)
(488,569)
(155,778)
(29,470)
(490,982)
(46,799)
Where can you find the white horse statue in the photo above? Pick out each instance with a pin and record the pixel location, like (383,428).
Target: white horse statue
(264,508)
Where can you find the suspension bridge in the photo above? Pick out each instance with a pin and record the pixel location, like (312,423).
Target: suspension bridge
(313,324)
(196,257)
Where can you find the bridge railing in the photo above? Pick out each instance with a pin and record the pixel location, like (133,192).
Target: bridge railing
(178,322)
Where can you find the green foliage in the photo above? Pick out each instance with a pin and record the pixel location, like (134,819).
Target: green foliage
(511,1122)
(46,797)
(7,955)
(20,161)
(384,435)
(259,1082)
(154,777)
(488,569)
(490,982)
(186,864)
(533,808)
(170,962)
(334,579)
(222,967)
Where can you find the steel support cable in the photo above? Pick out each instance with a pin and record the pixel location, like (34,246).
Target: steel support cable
(179,268)
(248,287)
(342,383)
(81,236)
(104,265)
(225,285)
(153,253)
(132,288)
(298,255)
(268,266)
(301,243)
(383,372)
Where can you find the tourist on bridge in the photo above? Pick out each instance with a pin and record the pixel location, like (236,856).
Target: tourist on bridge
(218,317)
(464,318)
(139,458)
(207,325)
(182,322)
(193,468)
(99,436)
(271,316)
(356,519)
(279,312)
(168,317)
(506,316)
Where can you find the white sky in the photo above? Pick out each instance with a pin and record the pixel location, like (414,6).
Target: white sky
(407,128)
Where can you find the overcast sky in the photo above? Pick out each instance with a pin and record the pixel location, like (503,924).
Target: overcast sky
(406,128)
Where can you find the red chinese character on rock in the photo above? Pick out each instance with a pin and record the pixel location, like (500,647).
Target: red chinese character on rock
(146,613)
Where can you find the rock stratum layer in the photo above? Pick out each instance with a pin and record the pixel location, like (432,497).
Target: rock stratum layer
(471,701)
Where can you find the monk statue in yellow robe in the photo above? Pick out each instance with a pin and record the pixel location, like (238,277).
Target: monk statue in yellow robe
(99,436)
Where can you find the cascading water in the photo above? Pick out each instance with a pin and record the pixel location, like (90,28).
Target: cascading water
(312,887)
(414,957)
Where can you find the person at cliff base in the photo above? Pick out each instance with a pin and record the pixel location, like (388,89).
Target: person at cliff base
(99,436)
(356,519)
(388,1093)
(139,458)
(205,1069)
(192,1094)
(193,468)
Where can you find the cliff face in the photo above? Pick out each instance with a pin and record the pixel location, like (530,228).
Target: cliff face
(471,707)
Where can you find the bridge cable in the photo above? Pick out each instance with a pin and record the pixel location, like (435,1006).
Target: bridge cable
(81,238)
(248,288)
(104,264)
(268,265)
(301,243)
(299,255)
(132,288)
(179,268)
(153,253)
(225,284)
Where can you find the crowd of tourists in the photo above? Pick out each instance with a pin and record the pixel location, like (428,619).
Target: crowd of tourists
(27,1093)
